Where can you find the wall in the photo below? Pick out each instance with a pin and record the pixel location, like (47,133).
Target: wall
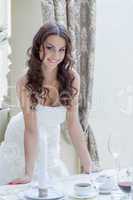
(112,109)
(26,19)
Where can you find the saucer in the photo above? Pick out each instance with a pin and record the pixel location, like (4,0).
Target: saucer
(32,194)
(89,196)
(101,191)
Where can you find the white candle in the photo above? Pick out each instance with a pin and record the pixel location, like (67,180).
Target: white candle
(43,163)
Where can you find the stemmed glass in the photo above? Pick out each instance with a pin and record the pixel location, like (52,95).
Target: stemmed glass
(114,149)
(123,177)
(125,182)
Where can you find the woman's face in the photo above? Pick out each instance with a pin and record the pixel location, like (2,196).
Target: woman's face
(54,51)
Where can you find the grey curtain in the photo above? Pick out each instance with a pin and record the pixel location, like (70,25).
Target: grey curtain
(78,16)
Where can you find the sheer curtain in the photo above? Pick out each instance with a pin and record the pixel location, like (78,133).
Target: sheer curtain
(5,50)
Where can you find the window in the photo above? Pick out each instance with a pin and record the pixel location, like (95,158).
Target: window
(5,50)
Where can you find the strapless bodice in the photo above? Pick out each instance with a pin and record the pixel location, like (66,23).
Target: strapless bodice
(50,116)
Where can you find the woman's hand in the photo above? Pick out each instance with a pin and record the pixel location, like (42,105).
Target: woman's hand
(23,180)
(89,169)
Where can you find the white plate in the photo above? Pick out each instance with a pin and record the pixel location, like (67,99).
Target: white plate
(91,195)
(32,194)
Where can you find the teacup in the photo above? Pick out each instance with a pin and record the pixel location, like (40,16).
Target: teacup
(82,189)
(106,186)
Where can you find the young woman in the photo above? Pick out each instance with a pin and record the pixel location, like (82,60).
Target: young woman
(48,93)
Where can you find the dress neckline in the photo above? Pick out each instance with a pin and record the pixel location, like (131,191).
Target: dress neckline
(51,107)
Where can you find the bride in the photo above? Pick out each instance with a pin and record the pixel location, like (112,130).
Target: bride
(48,93)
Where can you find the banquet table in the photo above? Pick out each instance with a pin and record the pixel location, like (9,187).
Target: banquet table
(14,192)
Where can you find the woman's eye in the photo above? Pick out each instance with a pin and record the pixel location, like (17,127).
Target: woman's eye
(49,47)
(62,50)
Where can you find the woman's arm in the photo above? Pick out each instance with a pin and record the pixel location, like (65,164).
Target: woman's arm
(75,130)
(30,144)
(30,133)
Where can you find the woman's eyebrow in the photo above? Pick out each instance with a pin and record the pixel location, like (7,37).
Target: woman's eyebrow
(55,46)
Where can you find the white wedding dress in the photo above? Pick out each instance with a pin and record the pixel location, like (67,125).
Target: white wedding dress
(12,162)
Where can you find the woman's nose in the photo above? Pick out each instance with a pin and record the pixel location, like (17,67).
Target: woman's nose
(55,54)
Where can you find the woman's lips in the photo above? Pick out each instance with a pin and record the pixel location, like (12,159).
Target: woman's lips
(53,61)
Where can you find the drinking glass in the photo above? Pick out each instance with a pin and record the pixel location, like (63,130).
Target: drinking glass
(114,148)
(125,183)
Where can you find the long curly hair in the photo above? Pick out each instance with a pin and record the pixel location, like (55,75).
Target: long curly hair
(35,77)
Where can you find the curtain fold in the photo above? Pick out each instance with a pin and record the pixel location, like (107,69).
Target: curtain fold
(47,8)
(71,25)
(60,11)
(78,16)
(87,50)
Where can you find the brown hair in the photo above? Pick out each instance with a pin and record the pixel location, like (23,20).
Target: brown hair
(35,76)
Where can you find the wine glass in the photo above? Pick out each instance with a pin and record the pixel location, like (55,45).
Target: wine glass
(114,149)
(125,182)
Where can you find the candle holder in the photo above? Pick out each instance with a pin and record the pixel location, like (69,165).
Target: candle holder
(42,192)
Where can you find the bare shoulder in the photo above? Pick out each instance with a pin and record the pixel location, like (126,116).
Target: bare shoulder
(20,85)
(21,81)
(76,85)
(23,94)
(76,82)
(75,74)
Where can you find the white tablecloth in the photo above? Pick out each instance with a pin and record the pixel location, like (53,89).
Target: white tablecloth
(12,192)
